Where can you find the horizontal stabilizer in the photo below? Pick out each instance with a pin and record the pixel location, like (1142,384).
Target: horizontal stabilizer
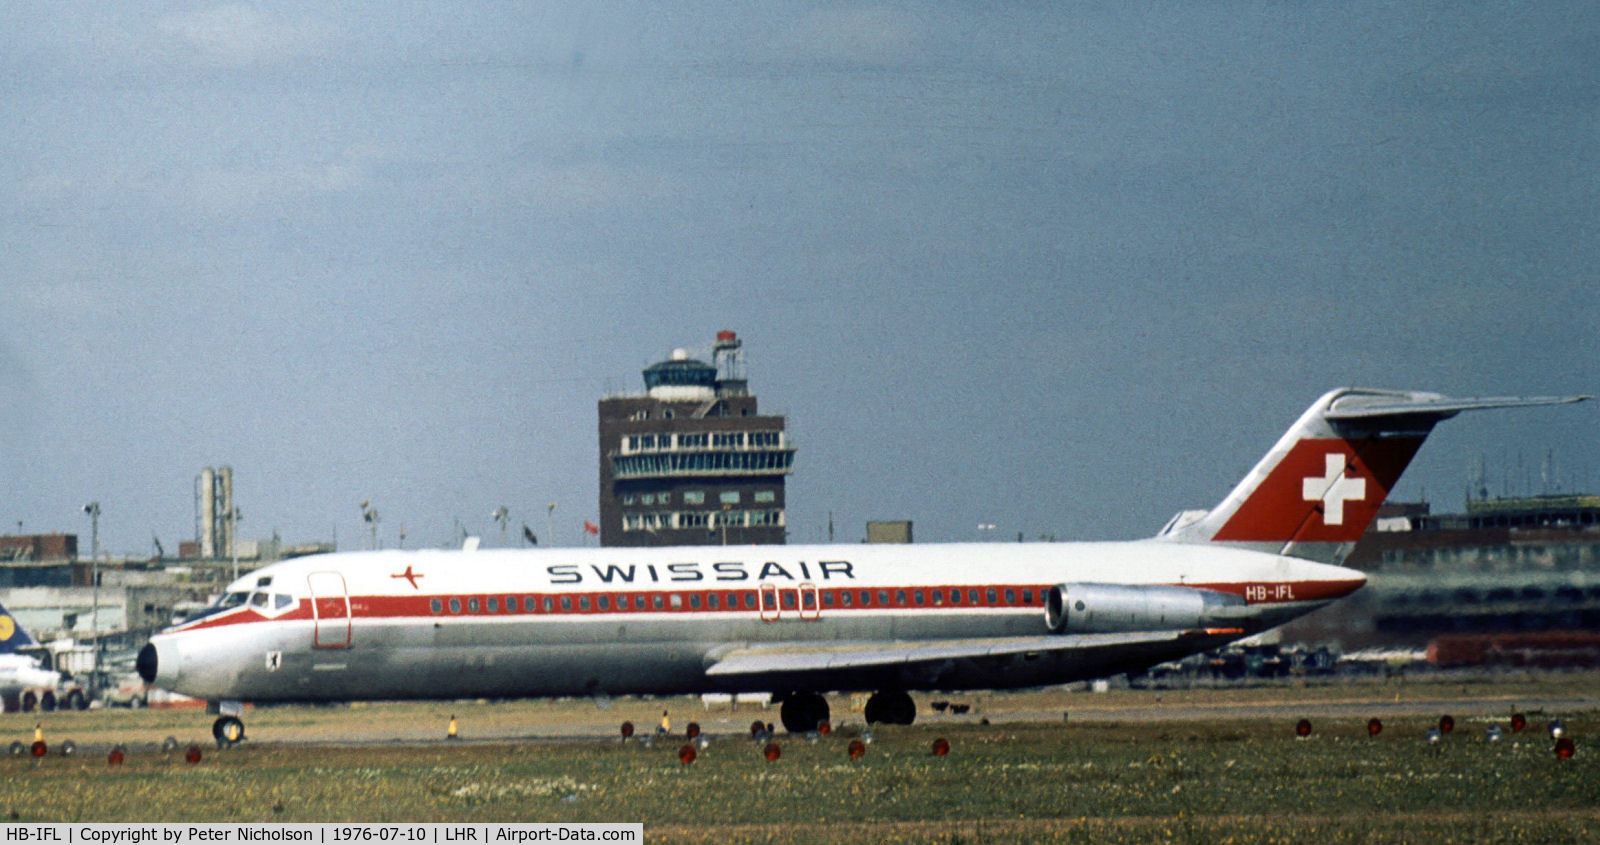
(1436,406)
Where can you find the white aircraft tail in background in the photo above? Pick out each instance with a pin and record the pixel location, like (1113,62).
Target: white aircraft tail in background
(24,681)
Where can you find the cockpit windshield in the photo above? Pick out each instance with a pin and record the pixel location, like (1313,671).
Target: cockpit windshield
(231,600)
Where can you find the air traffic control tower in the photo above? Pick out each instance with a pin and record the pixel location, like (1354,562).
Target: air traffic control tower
(691,462)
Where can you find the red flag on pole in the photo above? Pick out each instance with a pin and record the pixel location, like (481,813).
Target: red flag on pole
(590,528)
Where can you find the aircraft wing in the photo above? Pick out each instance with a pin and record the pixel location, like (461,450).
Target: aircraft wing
(911,658)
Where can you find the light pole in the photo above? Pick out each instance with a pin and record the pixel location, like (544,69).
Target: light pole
(233,537)
(370,515)
(93,510)
(501,515)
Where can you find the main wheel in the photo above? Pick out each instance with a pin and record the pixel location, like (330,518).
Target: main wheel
(891,707)
(76,700)
(227,730)
(802,711)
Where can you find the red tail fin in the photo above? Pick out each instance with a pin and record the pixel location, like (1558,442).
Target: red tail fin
(1314,494)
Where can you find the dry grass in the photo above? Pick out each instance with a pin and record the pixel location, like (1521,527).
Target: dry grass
(1095,778)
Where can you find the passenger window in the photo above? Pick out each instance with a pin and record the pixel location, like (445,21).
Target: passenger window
(1011,596)
(436,606)
(472,605)
(455,605)
(583,603)
(919,597)
(566,602)
(494,604)
(677,602)
(990,596)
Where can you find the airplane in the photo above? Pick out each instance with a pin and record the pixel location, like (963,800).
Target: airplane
(798,621)
(25,683)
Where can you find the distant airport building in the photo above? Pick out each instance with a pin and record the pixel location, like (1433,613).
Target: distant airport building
(692,462)
(1514,567)
(897,531)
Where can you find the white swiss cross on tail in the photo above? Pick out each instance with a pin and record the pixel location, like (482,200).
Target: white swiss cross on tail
(1333,488)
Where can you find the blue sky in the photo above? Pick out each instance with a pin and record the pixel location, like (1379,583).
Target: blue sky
(1065,268)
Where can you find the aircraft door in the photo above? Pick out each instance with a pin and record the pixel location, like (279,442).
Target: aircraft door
(810,602)
(768,595)
(330,607)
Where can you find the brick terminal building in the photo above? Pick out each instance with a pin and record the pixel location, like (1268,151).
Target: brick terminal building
(692,462)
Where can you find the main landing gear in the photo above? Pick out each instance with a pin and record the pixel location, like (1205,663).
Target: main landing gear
(891,707)
(802,711)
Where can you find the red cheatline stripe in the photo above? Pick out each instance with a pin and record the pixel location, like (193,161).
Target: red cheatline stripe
(829,601)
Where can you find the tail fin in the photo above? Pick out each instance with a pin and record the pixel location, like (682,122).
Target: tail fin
(1314,494)
(12,636)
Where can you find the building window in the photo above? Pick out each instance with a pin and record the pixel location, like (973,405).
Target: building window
(728,439)
(764,496)
(694,497)
(664,498)
(629,499)
(728,497)
(764,438)
(691,520)
(647,499)
(694,441)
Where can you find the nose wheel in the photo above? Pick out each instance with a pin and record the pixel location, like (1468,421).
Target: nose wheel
(227,730)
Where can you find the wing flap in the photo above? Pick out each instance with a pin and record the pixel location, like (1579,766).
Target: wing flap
(802,658)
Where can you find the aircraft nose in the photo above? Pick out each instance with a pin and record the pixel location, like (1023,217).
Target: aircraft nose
(147,662)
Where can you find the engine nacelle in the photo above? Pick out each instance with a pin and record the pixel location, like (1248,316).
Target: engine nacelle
(1108,608)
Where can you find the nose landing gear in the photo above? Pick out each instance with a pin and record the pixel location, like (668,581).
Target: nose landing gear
(227,730)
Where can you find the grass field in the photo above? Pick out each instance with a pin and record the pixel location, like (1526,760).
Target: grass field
(1091,780)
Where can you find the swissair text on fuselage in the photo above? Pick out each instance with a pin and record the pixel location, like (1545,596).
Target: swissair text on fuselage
(611,573)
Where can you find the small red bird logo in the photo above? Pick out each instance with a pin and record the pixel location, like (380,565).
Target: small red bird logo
(409,576)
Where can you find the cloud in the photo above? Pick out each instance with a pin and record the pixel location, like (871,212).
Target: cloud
(237,35)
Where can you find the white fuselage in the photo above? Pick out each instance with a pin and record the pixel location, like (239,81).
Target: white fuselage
(445,624)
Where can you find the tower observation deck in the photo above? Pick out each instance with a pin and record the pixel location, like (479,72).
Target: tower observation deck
(692,462)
